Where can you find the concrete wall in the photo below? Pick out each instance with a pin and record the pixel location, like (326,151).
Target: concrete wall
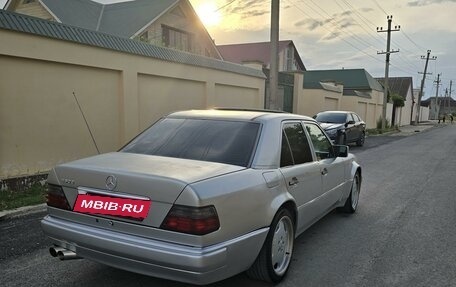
(119,93)
(403,114)
(311,101)
(424,114)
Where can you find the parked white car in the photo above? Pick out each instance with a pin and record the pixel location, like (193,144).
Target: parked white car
(202,195)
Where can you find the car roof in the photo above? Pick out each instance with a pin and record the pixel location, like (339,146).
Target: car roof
(238,114)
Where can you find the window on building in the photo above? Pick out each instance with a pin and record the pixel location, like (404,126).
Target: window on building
(177,39)
(290,54)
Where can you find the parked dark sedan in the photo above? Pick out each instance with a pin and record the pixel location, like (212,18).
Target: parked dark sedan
(342,127)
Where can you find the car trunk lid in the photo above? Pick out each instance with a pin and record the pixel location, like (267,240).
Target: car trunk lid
(126,176)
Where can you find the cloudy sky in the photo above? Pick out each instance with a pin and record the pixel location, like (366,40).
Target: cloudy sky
(334,34)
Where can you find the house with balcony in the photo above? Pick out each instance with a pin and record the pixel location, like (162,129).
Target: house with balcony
(167,23)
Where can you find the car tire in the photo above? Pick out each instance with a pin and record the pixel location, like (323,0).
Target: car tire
(360,141)
(352,201)
(272,263)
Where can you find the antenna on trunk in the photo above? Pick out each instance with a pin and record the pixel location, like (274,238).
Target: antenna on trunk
(87,124)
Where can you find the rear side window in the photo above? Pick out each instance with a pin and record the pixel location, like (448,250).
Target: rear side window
(221,141)
(331,118)
(295,146)
(356,117)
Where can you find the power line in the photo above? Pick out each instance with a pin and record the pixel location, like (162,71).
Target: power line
(410,39)
(338,36)
(378,5)
(413,69)
(229,3)
(394,42)
(367,21)
(407,71)
(362,18)
(335,25)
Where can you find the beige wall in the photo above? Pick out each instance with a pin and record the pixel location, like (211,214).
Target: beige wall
(120,94)
(405,112)
(311,101)
(163,95)
(370,109)
(236,97)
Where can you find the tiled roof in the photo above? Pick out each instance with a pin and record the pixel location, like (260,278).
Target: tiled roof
(443,101)
(352,79)
(121,19)
(126,18)
(36,26)
(80,13)
(398,85)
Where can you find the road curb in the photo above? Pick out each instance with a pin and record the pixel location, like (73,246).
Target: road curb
(7,214)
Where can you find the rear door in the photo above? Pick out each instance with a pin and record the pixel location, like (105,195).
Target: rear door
(301,172)
(359,125)
(351,129)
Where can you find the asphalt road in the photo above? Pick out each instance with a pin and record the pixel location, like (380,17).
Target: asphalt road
(403,233)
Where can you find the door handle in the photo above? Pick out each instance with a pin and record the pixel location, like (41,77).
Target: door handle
(294,181)
(324,171)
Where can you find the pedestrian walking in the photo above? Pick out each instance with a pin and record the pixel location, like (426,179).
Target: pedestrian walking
(451,118)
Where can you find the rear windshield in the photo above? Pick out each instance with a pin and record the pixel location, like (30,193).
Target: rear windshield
(221,141)
(334,118)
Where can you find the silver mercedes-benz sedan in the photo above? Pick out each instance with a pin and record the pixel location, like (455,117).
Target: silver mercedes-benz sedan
(202,195)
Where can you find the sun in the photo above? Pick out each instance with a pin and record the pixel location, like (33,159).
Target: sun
(208,14)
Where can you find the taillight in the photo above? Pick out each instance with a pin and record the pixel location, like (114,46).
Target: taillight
(192,220)
(56,198)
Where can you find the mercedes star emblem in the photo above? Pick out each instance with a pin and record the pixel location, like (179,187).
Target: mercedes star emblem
(111,182)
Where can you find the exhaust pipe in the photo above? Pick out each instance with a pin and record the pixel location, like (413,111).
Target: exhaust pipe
(62,253)
(55,249)
(67,255)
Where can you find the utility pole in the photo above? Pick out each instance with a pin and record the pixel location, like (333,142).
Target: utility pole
(418,106)
(274,68)
(450,98)
(388,52)
(437,103)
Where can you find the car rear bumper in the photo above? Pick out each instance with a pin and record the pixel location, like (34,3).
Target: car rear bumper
(157,258)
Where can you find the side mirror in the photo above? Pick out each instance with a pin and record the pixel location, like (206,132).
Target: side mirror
(340,150)
(349,123)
